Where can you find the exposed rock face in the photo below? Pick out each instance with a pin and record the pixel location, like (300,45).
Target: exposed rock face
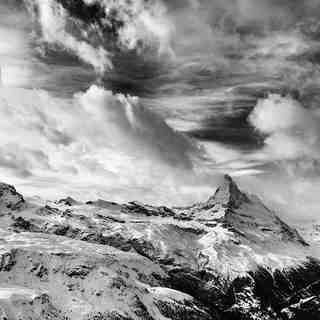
(10,199)
(245,215)
(227,258)
(228,195)
(68,201)
(23,303)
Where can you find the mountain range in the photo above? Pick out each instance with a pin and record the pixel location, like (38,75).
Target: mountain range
(229,257)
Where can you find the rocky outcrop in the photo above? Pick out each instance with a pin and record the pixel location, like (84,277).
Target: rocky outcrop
(68,201)
(227,258)
(228,195)
(245,215)
(10,199)
(19,303)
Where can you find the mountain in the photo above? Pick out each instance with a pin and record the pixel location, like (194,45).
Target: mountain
(229,257)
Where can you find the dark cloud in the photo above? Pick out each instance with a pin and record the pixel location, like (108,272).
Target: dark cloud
(229,125)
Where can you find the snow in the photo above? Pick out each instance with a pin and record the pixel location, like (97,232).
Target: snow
(9,293)
(166,294)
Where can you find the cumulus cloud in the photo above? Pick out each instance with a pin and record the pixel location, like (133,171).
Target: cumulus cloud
(293,132)
(289,161)
(131,124)
(96,144)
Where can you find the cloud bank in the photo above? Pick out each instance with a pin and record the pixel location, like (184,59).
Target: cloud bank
(94,145)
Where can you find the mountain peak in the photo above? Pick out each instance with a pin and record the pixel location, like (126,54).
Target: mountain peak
(229,194)
(251,219)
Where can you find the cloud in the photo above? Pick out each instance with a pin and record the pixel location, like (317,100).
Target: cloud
(14,54)
(92,29)
(292,148)
(96,144)
(202,40)
(21,161)
(293,132)
(53,21)
(131,124)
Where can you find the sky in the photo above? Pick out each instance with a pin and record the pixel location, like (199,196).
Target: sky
(156,100)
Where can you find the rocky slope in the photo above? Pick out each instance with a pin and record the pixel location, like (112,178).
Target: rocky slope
(227,258)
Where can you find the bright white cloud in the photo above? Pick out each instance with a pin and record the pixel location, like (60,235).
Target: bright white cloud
(131,124)
(293,132)
(292,143)
(95,145)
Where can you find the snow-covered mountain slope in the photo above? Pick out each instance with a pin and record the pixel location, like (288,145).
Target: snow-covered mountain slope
(103,260)
(310,230)
(244,231)
(246,215)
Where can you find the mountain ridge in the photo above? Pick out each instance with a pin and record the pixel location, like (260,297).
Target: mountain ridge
(103,260)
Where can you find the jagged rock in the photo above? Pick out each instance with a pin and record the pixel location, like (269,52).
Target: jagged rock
(247,305)
(10,199)
(68,202)
(103,204)
(48,210)
(228,195)
(24,304)
(78,270)
(308,308)
(107,316)
(7,260)
(136,207)
(21,224)
(39,270)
